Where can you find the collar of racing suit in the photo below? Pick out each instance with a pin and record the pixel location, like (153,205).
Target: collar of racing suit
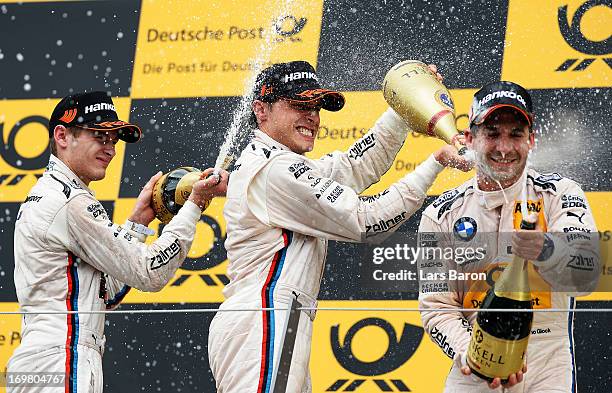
(494,199)
(57,165)
(268,140)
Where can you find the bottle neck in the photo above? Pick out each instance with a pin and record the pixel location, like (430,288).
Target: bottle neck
(513,283)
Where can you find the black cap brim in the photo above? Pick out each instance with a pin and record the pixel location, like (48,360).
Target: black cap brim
(481,117)
(127,132)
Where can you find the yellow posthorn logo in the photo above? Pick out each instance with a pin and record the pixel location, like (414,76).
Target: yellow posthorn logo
(25,155)
(576,38)
(397,353)
(570,48)
(289,26)
(375,351)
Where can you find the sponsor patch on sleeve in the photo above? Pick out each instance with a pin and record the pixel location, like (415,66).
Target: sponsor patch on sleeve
(97,211)
(298,169)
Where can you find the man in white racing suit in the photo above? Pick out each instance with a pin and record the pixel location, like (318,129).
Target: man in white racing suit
(281,210)
(70,257)
(563,248)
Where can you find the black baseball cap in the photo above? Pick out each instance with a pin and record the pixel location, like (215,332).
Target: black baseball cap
(499,95)
(295,81)
(94,111)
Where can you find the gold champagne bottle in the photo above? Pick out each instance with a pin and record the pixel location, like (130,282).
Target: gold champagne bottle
(499,339)
(413,91)
(172,191)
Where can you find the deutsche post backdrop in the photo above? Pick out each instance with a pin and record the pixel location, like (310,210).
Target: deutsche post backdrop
(179,67)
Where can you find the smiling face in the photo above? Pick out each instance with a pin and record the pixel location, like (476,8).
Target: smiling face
(86,152)
(293,124)
(502,144)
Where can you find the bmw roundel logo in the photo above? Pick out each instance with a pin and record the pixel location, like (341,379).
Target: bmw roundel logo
(465,228)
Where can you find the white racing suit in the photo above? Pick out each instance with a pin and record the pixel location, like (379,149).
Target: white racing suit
(280,211)
(568,267)
(69,256)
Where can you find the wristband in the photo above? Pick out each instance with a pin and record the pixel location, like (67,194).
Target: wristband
(139,228)
(547,249)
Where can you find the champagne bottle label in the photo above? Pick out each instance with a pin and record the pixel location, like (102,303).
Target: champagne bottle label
(494,357)
(184,187)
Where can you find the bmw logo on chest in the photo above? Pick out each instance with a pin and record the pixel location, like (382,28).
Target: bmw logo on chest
(465,228)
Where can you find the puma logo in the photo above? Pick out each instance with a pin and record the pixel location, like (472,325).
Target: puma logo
(571,214)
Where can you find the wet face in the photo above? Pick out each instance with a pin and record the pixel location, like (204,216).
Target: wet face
(88,153)
(502,144)
(295,125)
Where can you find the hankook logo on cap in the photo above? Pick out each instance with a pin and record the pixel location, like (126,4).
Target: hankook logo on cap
(98,107)
(502,94)
(300,75)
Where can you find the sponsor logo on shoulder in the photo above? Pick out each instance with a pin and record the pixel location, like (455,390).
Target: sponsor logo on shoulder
(580,262)
(440,339)
(577,236)
(74,184)
(333,196)
(465,228)
(372,198)
(576,229)
(362,145)
(546,177)
(546,181)
(445,197)
(323,188)
(51,165)
(298,169)
(430,264)
(32,198)
(569,201)
(428,239)
(579,217)
(386,225)
(66,188)
(97,210)
(164,256)
(465,324)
